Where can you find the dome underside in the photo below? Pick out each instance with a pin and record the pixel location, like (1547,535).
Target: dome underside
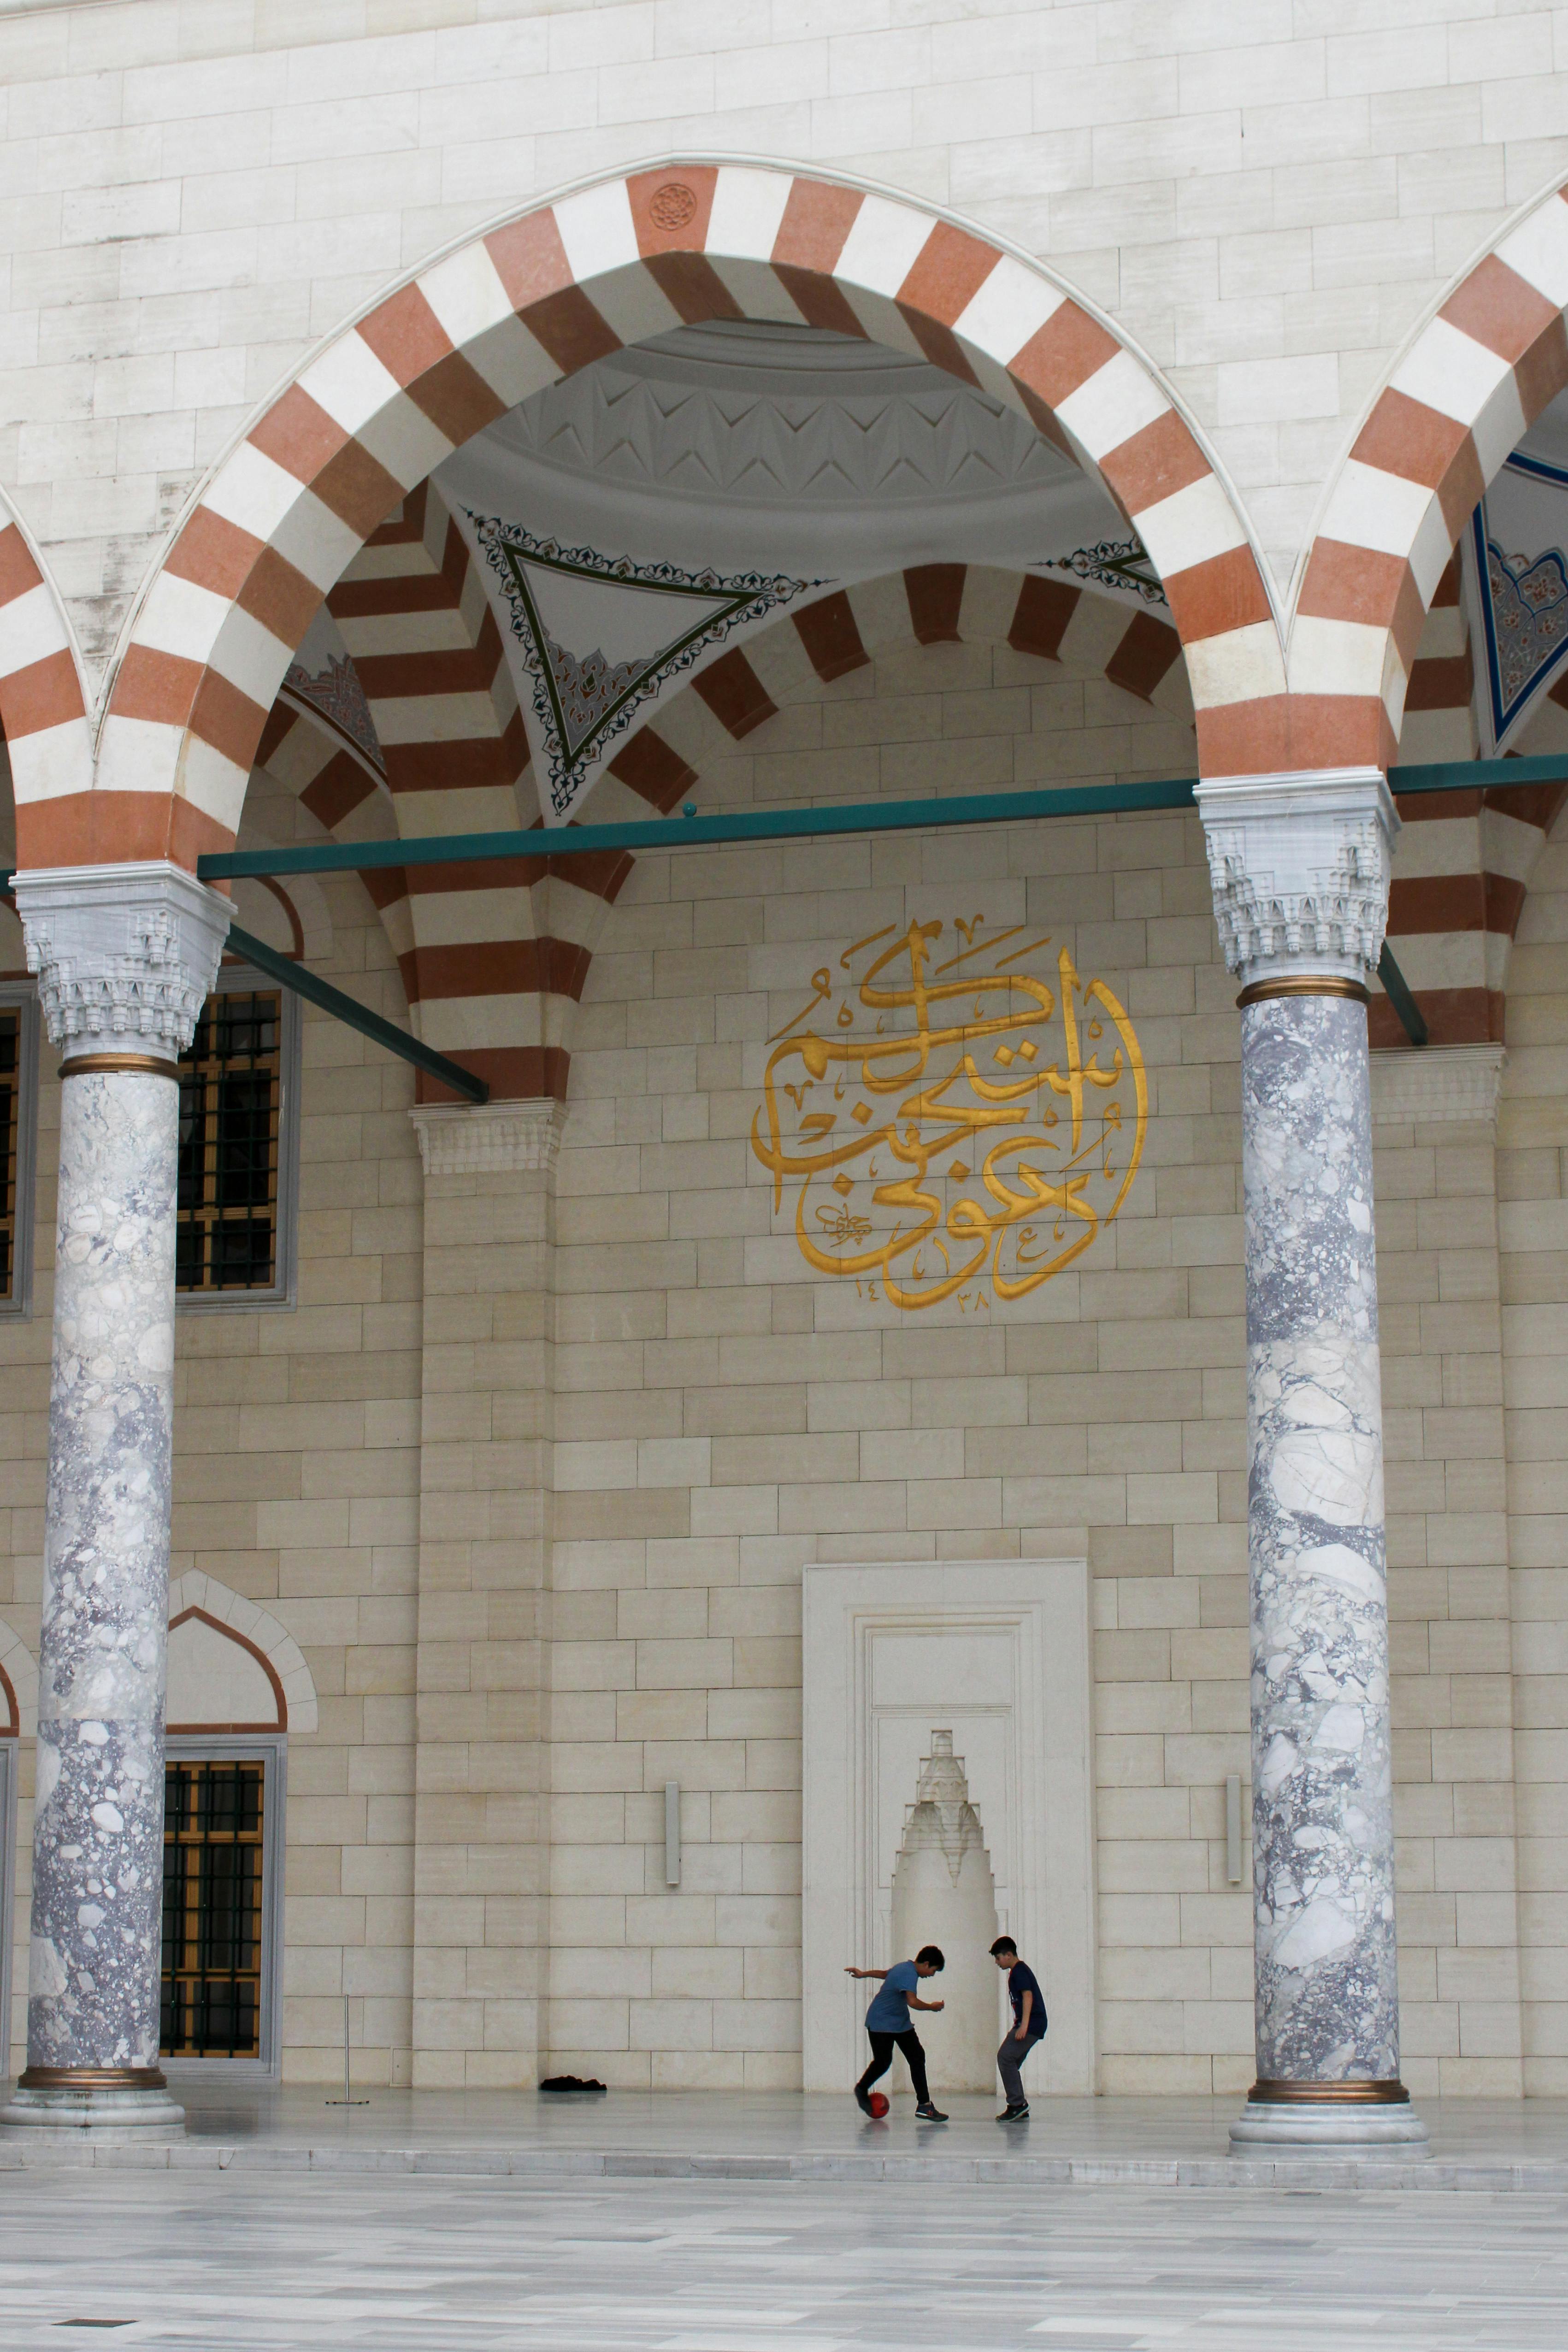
(772,448)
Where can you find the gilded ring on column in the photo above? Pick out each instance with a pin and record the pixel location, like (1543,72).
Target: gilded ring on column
(103,1066)
(1309,984)
(1308,2095)
(93,2078)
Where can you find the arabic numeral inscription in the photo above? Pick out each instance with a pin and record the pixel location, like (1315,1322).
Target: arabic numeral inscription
(952,1124)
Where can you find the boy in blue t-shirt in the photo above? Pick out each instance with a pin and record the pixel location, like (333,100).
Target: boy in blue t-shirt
(1027,2029)
(888,2023)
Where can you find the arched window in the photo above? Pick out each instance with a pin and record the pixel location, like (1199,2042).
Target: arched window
(237,1682)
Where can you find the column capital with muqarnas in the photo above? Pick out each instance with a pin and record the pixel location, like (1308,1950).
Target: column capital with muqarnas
(1299,867)
(126,955)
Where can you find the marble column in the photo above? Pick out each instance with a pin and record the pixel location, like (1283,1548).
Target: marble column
(125,956)
(1300,867)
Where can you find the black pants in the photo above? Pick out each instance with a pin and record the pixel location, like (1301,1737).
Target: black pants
(908,2042)
(1009,2059)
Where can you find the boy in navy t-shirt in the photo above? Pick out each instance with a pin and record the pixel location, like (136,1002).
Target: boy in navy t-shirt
(888,2023)
(1027,2029)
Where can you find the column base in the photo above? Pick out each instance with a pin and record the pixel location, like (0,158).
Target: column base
(105,2103)
(1329,2119)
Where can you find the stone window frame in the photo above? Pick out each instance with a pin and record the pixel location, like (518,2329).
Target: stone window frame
(24,996)
(280,1295)
(271,1749)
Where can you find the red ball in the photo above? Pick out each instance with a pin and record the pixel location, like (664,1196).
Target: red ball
(878,2105)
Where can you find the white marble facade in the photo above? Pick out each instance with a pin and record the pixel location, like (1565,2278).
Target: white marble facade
(666,1429)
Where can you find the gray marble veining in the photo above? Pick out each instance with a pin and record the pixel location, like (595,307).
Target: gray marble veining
(99,1823)
(1327,2005)
(294,2265)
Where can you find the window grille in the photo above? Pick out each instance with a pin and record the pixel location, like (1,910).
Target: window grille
(213,1824)
(236,1090)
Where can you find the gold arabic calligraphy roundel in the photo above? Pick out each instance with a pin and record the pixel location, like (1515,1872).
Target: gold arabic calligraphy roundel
(952,1124)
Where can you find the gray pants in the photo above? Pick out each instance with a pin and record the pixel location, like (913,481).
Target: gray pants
(1009,2059)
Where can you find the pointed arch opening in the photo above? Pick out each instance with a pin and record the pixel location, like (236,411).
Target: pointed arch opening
(1475,377)
(1383,659)
(549,291)
(233,1667)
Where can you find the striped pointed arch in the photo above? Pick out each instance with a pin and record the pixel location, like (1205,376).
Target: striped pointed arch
(689,745)
(491,957)
(1462,863)
(43,712)
(1053,620)
(1474,381)
(533,299)
(300,755)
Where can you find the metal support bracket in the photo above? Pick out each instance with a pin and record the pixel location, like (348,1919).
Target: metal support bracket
(354,1015)
(1397,989)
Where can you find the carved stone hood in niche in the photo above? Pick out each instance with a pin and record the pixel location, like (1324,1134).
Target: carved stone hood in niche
(942,1815)
(944,1894)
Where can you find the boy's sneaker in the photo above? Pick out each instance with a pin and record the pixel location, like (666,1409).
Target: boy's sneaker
(1012,2114)
(930,2114)
(863,2100)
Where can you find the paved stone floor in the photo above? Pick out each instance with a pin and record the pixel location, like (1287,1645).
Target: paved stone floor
(1476,2144)
(282,2262)
(786,2122)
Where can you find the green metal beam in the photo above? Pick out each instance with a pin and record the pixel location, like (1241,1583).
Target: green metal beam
(1397,990)
(1476,775)
(693,832)
(356,1015)
(696,832)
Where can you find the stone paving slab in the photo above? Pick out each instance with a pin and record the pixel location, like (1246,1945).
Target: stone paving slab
(18,2153)
(285,2261)
(1495,2147)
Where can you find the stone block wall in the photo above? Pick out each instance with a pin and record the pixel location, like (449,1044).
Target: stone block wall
(193,196)
(1533,1185)
(310,1488)
(532,1470)
(1438,1274)
(296,1485)
(723,1415)
(484,1528)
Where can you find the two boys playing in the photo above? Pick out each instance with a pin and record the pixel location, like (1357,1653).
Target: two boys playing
(887,2024)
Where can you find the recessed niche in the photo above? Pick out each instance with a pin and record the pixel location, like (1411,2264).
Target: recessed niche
(944,1894)
(994,1653)
(218,1681)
